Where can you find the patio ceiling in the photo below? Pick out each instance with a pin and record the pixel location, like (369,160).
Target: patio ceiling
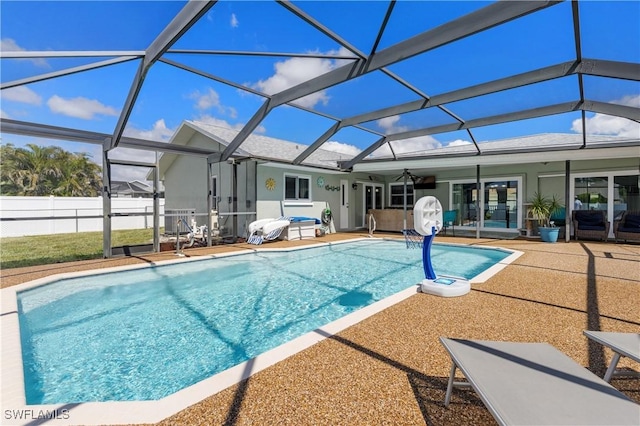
(569,80)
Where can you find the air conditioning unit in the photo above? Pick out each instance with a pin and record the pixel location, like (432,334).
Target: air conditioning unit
(173,216)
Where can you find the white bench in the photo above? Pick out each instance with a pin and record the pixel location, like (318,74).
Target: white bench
(535,383)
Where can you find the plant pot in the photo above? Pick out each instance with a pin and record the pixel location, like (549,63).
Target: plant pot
(549,235)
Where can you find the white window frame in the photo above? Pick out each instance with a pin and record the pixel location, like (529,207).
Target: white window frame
(297,201)
(411,192)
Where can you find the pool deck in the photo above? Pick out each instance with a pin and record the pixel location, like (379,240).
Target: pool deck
(391,369)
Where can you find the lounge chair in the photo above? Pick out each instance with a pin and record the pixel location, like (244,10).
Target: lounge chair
(628,227)
(266,230)
(622,344)
(535,383)
(590,224)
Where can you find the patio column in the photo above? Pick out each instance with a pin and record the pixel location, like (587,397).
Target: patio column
(478,201)
(209,201)
(156,205)
(567,201)
(404,222)
(106,204)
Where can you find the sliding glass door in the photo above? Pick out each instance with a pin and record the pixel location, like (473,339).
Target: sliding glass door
(612,192)
(500,201)
(501,204)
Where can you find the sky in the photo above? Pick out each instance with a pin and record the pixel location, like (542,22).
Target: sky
(93,100)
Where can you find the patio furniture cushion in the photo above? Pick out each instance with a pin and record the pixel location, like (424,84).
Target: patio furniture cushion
(631,223)
(590,220)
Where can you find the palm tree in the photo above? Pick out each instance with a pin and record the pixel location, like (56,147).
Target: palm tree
(47,171)
(78,177)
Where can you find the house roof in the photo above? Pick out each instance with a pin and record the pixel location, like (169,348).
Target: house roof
(132,187)
(522,150)
(268,148)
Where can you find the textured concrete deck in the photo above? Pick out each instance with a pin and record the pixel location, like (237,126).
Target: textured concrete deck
(391,369)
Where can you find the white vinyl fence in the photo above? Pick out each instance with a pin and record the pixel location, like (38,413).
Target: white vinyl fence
(23,216)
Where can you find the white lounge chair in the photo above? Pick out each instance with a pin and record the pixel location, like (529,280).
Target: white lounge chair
(622,344)
(266,230)
(535,383)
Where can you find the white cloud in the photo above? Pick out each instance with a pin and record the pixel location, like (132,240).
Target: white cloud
(10,45)
(419,144)
(388,124)
(340,147)
(79,107)
(602,124)
(21,94)
(4,114)
(294,71)
(128,173)
(403,146)
(234,21)
(159,132)
(211,99)
(459,142)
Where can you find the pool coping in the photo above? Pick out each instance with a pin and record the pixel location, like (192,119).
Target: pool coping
(13,402)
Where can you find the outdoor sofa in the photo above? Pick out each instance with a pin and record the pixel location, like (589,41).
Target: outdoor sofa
(590,224)
(628,227)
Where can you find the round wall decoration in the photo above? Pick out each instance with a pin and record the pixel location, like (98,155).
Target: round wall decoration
(320,181)
(270,184)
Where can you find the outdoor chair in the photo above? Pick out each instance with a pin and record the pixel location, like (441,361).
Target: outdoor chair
(449,220)
(266,230)
(628,227)
(535,383)
(590,224)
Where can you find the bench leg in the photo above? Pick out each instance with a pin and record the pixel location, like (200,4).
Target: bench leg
(447,396)
(612,367)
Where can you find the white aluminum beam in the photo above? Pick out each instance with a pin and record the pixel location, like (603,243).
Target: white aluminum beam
(368,151)
(34,54)
(486,121)
(322,139)
(179,25)
(612,69)
(472,23)
(68,71)
(632,113)
(73,135)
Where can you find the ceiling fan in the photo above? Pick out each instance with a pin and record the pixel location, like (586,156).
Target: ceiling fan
(408,174)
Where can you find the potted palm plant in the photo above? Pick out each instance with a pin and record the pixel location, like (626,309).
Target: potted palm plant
(541,209)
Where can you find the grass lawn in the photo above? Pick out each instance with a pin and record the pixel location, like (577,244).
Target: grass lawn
(45,249)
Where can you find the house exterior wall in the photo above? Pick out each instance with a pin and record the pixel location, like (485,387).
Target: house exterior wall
(186,186)
(548,178)
(271,203)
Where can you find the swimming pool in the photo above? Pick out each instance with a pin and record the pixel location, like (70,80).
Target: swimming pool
(144,334)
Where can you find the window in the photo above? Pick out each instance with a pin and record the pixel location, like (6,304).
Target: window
(499,203)
(396,194)
(297,187)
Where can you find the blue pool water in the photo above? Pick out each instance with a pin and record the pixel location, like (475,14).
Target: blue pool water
(144,334)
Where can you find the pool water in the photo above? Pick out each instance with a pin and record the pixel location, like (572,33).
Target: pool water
(147,333)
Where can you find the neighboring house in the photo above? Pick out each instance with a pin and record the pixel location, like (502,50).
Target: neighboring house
(605,176)
(132,189)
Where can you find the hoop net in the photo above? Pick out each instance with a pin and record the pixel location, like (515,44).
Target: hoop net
(412,238)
